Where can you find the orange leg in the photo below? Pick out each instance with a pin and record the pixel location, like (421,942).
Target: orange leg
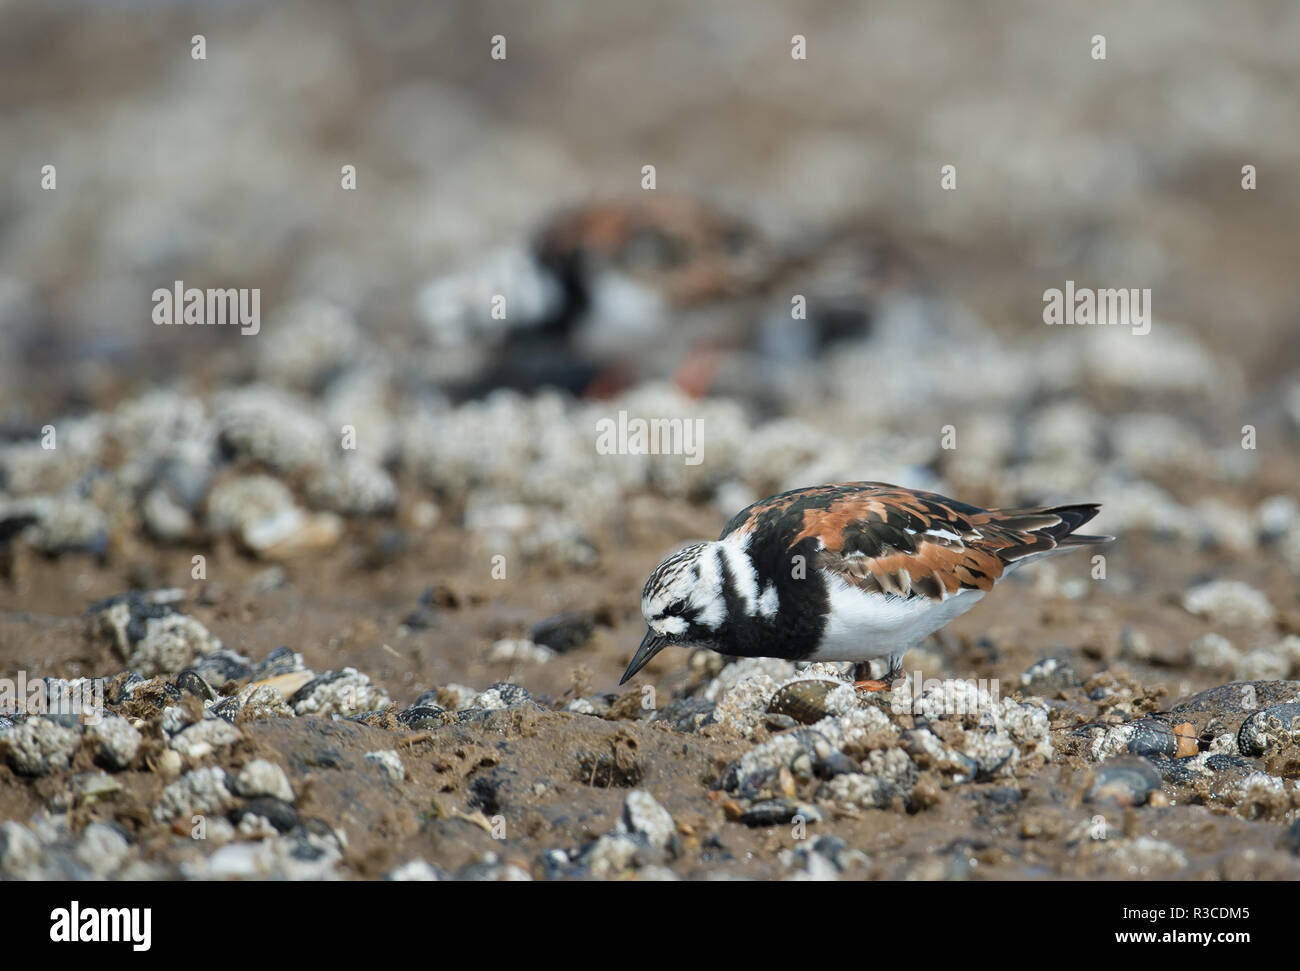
(866,684)
(871,684)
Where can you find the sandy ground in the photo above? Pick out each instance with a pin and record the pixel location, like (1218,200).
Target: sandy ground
(384,740)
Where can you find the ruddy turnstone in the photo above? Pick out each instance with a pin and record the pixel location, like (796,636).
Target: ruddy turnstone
(845,572)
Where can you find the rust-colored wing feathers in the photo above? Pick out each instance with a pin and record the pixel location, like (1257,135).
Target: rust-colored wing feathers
(913,544)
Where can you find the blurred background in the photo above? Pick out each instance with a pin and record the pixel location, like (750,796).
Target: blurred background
(522,177)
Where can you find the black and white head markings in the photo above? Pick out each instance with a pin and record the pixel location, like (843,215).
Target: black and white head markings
(706,595)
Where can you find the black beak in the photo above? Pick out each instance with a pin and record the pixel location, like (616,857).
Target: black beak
(651,645)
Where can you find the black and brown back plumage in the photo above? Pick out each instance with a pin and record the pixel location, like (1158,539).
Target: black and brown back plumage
(885,539)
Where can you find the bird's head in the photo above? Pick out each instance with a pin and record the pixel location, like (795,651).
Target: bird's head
(682,602)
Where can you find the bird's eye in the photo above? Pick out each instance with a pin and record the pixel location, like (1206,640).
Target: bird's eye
(676,608)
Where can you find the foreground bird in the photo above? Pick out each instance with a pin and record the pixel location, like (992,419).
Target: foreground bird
(845,572)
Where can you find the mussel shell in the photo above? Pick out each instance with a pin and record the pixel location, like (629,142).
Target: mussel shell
(804,701)
(1267,726)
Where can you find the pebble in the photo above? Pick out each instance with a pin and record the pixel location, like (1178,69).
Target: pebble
(1125,781)
(205,737)
(563,632)
(352,486)
(642,815)
(857,791)
(416,870)
(19,848)
(806,752)
(253,701)
(89,786)
(261,513)
(203,791)
(494,871)
(509,650)
(774,812)
(502,695)
(1271,662)
(41,745)
(1230,602)
(1214,652)
(261,777)
(1145,856)
(611,855)
(169,644)
(1290,838)
(686,714)
(102,848)
(117,739)
(928,751)
(344,692)
(1048,676)
(389,762)
(169,764)
(279,813)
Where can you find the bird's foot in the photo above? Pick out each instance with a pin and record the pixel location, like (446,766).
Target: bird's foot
(871,684)
(864,683)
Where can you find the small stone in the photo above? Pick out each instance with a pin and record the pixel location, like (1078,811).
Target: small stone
(1126,781)
(612,855)
(389,762)
(1146,856)
(857,791)
(502,695)
(1214,652)
(19,847)
(686,714)
(280,813)
(102,848)
(41,745)
(1290,840)
(511,650)
(202,791)
(259,700)
(263,778)
(345,692)
(1230,602)
(416,870)
(205,737)
(90,786)
(118,741)
(169,644)
(1048,676)
(774,812)
(169,764)
(643,815)
(563,632)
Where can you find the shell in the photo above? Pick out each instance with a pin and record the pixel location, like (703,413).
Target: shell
(1127,781)
(804,701)
(774,812)
(1152,737)
(1269,728)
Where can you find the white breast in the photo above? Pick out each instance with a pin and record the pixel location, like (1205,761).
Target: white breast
(862,626)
